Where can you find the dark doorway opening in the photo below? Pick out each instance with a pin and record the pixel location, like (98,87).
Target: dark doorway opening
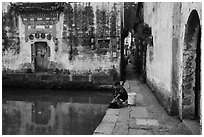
(198,77)
(41,56)
(192,68)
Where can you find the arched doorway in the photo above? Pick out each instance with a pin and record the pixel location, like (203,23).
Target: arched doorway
(191,80)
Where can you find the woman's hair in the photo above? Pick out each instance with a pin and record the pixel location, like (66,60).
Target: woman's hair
(116,83)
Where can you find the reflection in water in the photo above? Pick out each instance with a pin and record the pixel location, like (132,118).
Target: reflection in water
(52,117)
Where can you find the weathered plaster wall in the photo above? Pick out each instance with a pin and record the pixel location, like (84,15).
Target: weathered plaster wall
(165,64)
(15,61)
(186,10)
(159,17)
(87,61)
(159,69)
(175,55)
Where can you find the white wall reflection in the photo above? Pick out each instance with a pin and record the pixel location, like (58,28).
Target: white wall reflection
(41,117)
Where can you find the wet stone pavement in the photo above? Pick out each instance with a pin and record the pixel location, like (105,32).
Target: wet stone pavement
(147,117)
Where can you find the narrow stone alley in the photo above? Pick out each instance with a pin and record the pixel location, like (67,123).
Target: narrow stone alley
(147,117)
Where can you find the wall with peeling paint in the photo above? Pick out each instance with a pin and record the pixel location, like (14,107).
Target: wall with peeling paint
(85,62)
(164,62)
(187,99)
(186,9)
(158,68)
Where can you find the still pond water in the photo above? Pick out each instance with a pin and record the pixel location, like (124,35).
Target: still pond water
(52,112)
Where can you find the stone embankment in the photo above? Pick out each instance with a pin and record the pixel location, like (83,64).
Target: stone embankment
(56,81)
(147,117)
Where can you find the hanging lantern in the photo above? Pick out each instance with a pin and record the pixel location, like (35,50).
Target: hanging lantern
(18,48)
(56,48)
(56,41)
(53,39)
(49,36)
(31,37)
(43,35)
(37,35)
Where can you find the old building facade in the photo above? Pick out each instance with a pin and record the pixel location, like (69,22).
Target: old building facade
(54,36)
(40,34)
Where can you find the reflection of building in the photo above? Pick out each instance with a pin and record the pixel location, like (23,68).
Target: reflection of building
(46,118)
(43,118)
(33,118)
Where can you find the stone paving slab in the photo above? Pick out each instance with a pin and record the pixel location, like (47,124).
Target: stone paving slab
(104,128)
(121,128)
(161,132)
(132,123)
(140,132)
(110,118)
(147,127)
(152,122)
(124,115)
(112,111)
(139,100)
(193,126)
(135,89)
(139,112)
(135,120)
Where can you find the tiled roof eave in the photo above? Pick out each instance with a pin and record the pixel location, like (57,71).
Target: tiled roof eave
(42,7)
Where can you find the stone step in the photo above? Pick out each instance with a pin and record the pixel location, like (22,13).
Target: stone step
(147,122)
(139,112)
